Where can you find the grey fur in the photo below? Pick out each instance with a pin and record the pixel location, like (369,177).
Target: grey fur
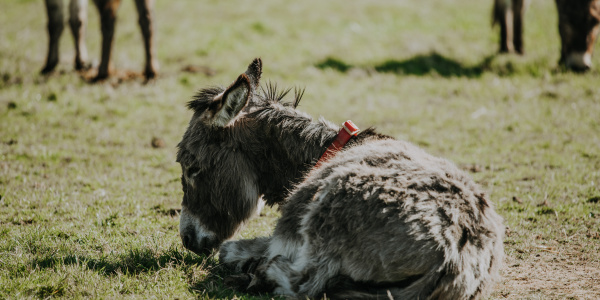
(382,219)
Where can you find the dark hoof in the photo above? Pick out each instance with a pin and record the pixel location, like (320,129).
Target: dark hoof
(238,282)
(49,68)
(80,66)
(98,78)
(150,75)
(251,264)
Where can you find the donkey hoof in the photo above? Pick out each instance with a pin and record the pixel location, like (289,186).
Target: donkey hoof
(238,282)
(150,74)
(252,264)
(49,68)
(82,66)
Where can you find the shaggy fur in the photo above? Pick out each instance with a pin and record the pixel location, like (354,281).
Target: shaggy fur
(382,219)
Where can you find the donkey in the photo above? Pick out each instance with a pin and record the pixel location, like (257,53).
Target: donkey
(379,218)
(108,16)
(578,26)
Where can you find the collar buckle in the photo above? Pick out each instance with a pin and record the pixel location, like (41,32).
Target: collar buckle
(347,131)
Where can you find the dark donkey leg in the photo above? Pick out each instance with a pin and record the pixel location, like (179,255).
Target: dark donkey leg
(78,21)
(503,14)
(54,8)
(518,14)
(144,8)
(108,17)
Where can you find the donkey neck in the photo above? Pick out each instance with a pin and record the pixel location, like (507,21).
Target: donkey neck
(291,143)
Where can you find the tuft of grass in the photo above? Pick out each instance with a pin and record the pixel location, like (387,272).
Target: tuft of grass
(50,291)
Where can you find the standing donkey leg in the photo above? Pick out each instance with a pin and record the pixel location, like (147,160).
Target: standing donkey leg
(54,8)
(108,17)
(504,15)
(78,22)
(509,14)
(518,15)
(144,8)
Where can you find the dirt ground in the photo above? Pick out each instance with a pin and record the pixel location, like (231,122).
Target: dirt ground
(550,274)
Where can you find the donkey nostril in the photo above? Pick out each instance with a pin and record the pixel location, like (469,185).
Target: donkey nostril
(186,241)
(203,244)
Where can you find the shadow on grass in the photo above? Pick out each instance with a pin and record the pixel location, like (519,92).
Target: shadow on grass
(212,287)
(419,65)
(135,261)
(203,274)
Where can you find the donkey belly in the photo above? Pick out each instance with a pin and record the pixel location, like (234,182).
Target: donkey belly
(370,234)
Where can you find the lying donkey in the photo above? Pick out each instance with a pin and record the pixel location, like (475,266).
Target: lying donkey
(380,218)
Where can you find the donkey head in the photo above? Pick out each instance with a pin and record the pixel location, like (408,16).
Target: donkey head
(578,25)
(220,186)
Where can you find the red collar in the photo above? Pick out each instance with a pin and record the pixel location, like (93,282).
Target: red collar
(346,133)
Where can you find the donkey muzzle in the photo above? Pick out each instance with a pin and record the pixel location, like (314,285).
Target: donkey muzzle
(200,246)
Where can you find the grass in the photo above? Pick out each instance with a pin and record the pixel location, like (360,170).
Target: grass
(88,206)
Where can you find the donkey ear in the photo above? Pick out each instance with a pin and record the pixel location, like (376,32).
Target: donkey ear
(232,101)
(595,10)
(254,71)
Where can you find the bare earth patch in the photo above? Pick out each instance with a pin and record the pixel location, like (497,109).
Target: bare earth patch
(550,275)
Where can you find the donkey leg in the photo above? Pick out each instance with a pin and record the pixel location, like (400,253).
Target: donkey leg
(503,14)
(78,22)
(54,9)
(108,18)
(243,255)
(276,275)
(144,8)
(306,276)
(519,11)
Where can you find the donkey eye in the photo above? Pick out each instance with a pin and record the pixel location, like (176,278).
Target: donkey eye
(192,172)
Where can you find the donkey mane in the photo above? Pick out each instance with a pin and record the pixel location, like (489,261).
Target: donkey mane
(268,94)
(202,100)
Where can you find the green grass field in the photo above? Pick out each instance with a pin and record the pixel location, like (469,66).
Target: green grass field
(88,208)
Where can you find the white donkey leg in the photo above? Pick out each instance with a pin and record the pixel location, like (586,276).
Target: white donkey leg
(285,277)
(276,275)
(243,254)
(78,22)
(305,275)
